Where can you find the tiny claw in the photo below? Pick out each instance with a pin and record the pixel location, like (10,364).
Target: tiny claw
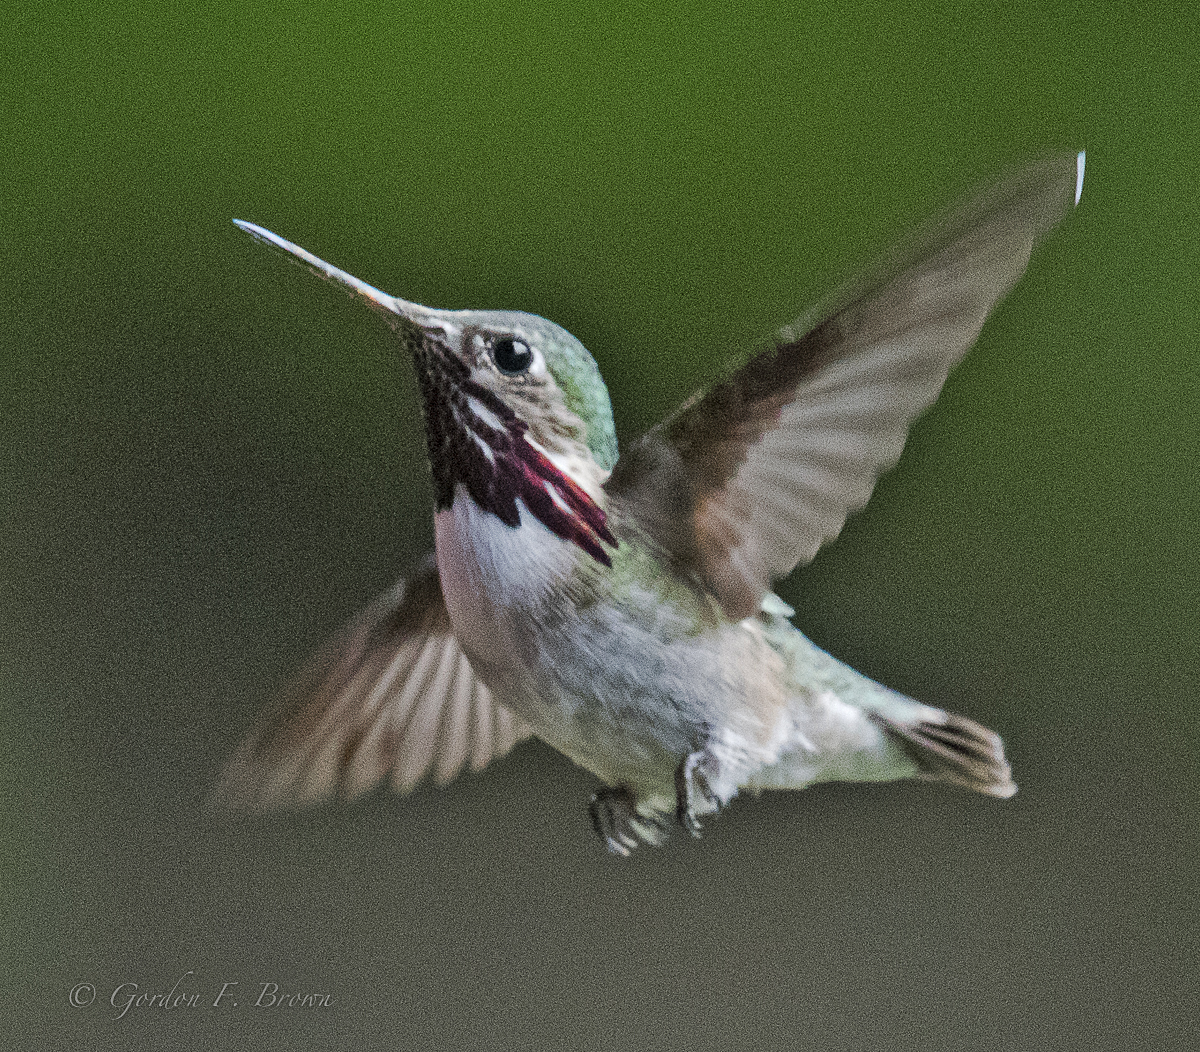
(611,811)
(617,822)
(693,789)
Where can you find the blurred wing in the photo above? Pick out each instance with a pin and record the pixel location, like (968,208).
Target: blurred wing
(750,478)
(392,697)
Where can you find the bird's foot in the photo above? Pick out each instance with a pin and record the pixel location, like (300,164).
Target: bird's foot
(694,794)
(618,823)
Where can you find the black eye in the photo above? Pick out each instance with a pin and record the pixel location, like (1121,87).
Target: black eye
(511,355)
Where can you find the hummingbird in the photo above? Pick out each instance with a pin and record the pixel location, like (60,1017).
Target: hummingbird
(619,606)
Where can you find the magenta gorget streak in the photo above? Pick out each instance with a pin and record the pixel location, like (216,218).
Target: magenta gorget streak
(498,465)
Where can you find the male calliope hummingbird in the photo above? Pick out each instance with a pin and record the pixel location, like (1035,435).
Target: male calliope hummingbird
(619,607)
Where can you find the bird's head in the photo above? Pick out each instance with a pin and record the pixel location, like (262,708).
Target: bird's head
(515,407)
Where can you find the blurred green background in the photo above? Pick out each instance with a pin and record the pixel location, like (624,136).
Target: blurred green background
(209,460)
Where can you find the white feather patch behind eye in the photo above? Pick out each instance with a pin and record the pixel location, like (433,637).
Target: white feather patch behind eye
(538,366)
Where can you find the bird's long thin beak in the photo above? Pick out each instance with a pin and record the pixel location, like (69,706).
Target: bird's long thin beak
(328,272)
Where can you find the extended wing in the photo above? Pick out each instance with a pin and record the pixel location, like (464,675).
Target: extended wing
(750,478)
(391,697)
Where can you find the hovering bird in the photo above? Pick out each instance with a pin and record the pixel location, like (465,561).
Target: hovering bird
(619,607)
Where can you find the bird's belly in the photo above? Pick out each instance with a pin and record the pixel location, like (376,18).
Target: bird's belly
(625,687)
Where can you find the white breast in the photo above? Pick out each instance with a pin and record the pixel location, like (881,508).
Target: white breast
(493,575)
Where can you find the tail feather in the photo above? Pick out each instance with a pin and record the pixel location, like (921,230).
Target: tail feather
(956,750)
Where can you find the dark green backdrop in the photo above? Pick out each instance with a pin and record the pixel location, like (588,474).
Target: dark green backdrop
(209,460)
